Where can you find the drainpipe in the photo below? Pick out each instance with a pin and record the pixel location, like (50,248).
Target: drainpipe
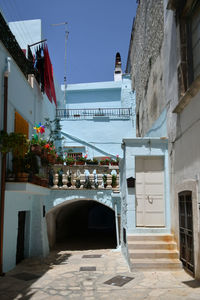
(3,165)
(116,224)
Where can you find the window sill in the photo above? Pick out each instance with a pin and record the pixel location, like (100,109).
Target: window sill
(188,96)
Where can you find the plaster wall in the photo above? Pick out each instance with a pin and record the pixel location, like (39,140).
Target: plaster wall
(159,127)
(146,60)
(105,197)
(186,169)
(26,100)
(100,132)
(36,242)
(93,95)
(132,149)
(59,199)
(101,136)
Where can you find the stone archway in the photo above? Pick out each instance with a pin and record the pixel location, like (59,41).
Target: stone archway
(81,224)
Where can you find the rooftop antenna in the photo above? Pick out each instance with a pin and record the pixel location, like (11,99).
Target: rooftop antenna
(65,68)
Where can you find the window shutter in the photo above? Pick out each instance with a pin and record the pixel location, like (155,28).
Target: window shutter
(21,125)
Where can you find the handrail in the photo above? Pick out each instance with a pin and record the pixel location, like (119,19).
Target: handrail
(85,177)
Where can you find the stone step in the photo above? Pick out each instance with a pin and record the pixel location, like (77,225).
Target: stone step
(154,254)
(152,245)
(155,264)
(150,237)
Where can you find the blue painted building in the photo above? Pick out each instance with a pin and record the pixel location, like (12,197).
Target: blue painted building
(97,117)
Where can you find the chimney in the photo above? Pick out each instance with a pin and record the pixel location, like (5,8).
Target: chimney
(118,69)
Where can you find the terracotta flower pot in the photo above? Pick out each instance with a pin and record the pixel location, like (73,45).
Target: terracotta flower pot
(80,163)
(115,163)
(104,163)
(51,158)
(36,149)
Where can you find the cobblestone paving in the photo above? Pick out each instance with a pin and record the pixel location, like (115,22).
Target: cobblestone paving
(59,277)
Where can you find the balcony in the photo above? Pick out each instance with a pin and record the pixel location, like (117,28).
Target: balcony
(90,113)
(85,177)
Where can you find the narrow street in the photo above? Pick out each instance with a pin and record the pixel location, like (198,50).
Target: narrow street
(84,275)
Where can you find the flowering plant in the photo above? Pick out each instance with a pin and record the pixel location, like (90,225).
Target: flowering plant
(82,158)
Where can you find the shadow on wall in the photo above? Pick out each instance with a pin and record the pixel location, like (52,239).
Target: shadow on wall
(81,225)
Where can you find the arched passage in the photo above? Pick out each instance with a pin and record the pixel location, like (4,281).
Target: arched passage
(81,224)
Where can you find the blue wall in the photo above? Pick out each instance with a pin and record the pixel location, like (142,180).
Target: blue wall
(101,136)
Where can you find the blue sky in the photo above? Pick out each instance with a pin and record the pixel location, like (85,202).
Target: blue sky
(97,30)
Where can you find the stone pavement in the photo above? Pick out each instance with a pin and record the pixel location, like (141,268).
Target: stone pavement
(59,277)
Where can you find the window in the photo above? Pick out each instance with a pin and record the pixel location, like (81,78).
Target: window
(74,155)
(188,17)
(195,30)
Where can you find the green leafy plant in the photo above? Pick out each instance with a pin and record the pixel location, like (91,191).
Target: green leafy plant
(114,180)
(16,143)
(70,161)
(54,128)
(4,142)
(105,161)
(92,161)
(81,158)
(78,183)
(104,177)
(87,184)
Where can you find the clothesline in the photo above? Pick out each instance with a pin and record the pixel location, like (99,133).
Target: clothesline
(42,63)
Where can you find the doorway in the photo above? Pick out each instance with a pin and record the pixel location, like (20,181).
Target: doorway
(186,230)
(150,200)
(82,225)
(20,236)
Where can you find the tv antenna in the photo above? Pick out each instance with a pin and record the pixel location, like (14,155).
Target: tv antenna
(65,67)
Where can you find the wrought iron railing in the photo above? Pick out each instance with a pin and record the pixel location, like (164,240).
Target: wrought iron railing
(87,113)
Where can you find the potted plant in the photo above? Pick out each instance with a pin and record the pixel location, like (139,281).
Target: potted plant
(70,161)
(114,162)
(104,177)
(35,146)
(92,161)
(87,184)
(51,153)
(4,142)
(31,163)
(81,160)
(114,180)
(19,146)
(19,169)
(59,160)
(105,162)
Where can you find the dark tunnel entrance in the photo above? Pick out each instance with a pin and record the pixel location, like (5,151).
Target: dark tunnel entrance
(84,225)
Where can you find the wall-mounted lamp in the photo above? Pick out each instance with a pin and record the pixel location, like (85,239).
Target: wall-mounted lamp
(7,71)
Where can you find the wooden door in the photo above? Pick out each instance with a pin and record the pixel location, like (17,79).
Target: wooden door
(150,203)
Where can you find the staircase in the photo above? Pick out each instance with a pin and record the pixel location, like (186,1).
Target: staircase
(153,252)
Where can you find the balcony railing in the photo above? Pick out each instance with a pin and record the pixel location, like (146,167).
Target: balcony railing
(85,177)
(89,113)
